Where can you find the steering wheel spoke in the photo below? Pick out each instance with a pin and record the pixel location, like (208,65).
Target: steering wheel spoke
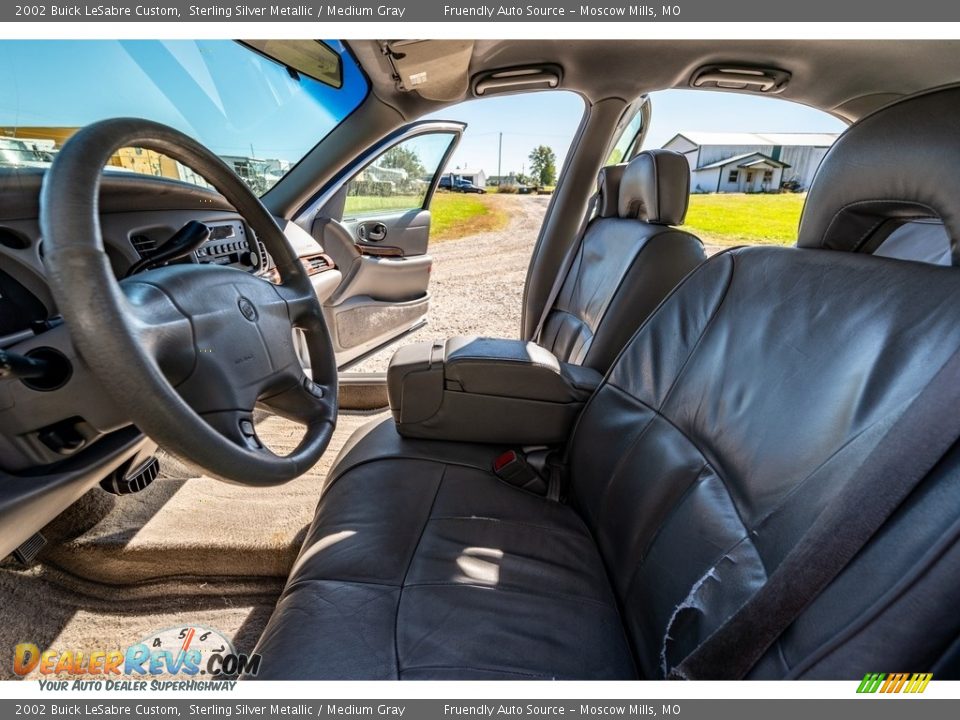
(302,402)
(236,426)
(301,300)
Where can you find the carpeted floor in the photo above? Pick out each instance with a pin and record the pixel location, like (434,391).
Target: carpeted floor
(188,550)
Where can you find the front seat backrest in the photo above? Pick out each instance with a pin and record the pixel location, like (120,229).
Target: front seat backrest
(757,391)
(630,257)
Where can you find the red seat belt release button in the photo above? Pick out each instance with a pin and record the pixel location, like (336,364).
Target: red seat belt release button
(502,461)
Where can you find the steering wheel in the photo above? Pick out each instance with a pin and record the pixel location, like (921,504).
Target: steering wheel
(189,350)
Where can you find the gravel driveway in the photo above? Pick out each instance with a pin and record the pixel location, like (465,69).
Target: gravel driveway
(477,281)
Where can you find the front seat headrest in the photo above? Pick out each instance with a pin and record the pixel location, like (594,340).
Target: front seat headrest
(896,166)
(655,187)
(608,190)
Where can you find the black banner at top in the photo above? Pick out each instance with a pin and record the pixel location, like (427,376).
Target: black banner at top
(560,11)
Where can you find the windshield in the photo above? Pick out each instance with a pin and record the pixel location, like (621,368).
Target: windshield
(256,114)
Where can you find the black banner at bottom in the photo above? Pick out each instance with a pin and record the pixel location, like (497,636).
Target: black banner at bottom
(874,707)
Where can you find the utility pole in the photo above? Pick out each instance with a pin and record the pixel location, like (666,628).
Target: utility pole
(499,159)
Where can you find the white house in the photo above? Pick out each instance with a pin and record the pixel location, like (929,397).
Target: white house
(751,162)
(477,176)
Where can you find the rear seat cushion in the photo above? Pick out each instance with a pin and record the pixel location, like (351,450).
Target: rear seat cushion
(417,567)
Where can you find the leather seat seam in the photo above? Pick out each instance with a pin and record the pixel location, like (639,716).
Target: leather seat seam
(567,597)
(518,673)
(668,230)
(642,556)
(637,256)
(304,581)
(413,458)
(720,476)
(703,334)
(576,317)
(608,374)
(621,461)
(413,556)
(544,528)
(780,506)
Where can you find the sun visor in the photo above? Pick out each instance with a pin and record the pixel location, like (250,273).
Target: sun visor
(436,69)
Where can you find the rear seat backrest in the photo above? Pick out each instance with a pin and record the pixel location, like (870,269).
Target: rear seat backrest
(630,258)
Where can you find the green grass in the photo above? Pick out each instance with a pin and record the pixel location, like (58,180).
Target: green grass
(737,219)
(369,204)
(453,215)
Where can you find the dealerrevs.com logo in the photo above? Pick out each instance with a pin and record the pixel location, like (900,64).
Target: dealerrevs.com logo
(189,652)
(887,683)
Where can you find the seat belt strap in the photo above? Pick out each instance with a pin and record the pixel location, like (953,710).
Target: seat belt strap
(565,266)
(556,476)
(910,449)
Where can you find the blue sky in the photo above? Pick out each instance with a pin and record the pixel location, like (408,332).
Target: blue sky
(551,118)
(527,120)
(229,98)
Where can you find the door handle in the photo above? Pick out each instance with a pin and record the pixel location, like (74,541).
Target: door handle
(376,232)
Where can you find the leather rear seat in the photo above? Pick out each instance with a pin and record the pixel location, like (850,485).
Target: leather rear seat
(630,257)
(735,415)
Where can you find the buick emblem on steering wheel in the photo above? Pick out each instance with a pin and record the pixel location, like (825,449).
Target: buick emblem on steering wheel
(247,309)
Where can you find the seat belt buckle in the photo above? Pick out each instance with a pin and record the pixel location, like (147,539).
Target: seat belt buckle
(512,467)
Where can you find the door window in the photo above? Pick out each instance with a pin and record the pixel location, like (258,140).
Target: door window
(400,179)
(628,142)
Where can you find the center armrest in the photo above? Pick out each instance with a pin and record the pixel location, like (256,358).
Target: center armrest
(486,390)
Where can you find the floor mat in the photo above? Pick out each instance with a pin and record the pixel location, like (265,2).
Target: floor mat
(188,550)
(54,610)
(190,525)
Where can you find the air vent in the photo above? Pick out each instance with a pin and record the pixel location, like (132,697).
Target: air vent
(13,240)
(317,263)
(143,245)
(265,260)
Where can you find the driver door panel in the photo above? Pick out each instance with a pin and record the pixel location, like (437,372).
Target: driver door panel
(376,227)
(378,294)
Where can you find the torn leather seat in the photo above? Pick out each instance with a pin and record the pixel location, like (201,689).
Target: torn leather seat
(734,416)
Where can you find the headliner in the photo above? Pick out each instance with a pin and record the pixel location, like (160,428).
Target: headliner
(847,78)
